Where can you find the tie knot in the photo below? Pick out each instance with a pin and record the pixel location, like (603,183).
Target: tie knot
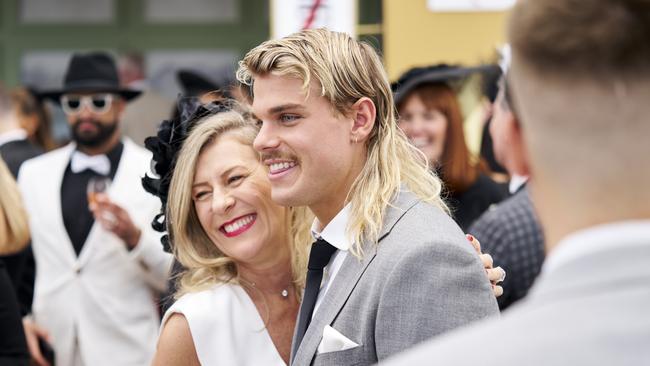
(320,254)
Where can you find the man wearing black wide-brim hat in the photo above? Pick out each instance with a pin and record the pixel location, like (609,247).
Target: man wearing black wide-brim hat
(98,263)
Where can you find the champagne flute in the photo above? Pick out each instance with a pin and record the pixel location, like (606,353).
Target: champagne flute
(97,185)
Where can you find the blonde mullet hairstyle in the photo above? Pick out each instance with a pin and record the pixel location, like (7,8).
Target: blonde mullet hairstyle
(14,227)
(205,264)
(348,70)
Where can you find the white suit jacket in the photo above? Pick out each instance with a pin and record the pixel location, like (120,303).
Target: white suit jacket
(104,298)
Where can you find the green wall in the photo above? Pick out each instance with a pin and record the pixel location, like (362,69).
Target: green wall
(128,32)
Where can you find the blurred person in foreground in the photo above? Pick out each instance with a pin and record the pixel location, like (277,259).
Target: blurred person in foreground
(579,80)
(14,236)
(15,149)
(510,232)
(431,117)
(99,264)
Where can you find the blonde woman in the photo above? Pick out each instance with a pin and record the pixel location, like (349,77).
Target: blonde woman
(14,235)
(240,293)
(14,230)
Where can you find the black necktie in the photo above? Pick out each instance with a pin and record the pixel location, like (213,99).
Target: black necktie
(319,256)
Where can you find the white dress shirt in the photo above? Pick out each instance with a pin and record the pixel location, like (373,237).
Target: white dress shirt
(516,181)
(596,239)
(335,234)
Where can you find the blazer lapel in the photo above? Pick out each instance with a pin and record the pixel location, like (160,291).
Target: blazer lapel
(346,280)
(403,202)
(58,167)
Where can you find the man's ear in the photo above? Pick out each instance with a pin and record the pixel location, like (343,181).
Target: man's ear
(363,116)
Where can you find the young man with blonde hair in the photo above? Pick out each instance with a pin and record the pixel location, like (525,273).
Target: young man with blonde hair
(390,268)
(580,81)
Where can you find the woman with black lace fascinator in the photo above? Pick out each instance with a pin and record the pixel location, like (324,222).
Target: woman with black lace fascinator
(239,292)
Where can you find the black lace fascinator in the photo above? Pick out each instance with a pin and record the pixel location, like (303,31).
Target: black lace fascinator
(165,147)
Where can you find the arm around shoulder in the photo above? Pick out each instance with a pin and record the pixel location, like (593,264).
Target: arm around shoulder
(175,345)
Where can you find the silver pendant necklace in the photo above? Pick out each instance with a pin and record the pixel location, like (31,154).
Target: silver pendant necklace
(284,293)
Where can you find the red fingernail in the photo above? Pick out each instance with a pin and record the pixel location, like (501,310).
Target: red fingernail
(470,237)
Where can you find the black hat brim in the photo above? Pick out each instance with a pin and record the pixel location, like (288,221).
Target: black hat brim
(450,76)
(194,83)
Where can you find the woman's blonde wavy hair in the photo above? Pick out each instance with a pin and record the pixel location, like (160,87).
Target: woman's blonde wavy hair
(14,227)
(348,70)
(204,263)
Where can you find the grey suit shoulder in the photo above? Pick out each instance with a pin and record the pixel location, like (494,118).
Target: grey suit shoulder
(421,279)
(425,224)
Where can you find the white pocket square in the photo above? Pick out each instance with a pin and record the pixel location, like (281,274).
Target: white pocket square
(334,341)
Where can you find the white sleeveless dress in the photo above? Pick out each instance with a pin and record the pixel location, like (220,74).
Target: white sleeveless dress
(226,327)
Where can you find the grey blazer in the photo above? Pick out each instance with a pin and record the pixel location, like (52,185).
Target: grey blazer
(421,279)
(593,310)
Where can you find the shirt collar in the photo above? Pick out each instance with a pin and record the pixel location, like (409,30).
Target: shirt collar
(516,181)
(596,239)
(335,232)
(13,135)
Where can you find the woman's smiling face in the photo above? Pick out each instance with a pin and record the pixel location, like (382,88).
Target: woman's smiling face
(232,199)
(425,127)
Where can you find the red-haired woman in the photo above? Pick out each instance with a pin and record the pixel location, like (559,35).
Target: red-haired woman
(430,116)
